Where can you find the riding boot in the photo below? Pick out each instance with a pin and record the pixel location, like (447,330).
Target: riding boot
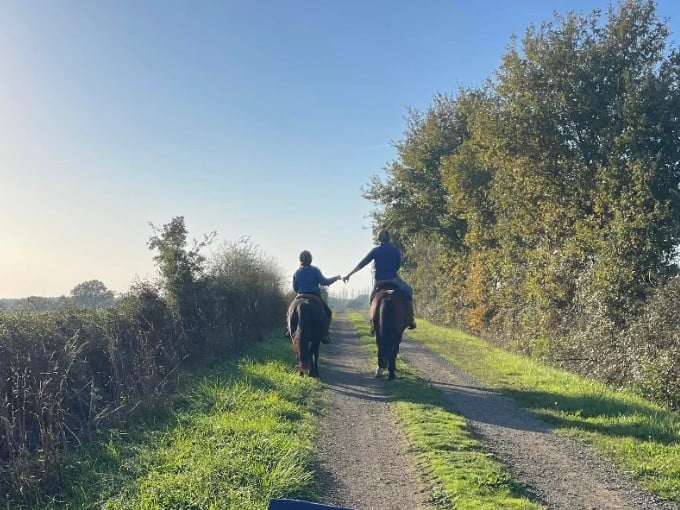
(326,337)
(328,317)
(411,316)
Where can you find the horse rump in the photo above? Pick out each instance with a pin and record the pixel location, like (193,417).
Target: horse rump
(304,325)
(387,314)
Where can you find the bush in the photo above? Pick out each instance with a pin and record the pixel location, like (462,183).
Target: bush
(654,346)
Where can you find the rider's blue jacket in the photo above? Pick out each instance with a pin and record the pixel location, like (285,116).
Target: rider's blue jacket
(307,279)
(386,259)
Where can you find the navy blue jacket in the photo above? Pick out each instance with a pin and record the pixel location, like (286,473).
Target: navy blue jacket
(307,279)
(387,261)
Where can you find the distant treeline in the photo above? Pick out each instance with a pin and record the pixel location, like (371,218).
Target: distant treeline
(339,304)
(91,294)
(543,209)
(70,373)
(35,303)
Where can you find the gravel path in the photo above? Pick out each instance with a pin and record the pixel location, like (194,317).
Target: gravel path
(561,473)
(364,459)
(362,452)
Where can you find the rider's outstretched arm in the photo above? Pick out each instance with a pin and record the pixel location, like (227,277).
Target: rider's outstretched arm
(362,263)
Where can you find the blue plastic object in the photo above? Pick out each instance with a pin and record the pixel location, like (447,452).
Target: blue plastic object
(296,504)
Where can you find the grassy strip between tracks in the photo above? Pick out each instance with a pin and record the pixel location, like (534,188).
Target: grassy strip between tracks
(233,438)
(638,436)
(460,470)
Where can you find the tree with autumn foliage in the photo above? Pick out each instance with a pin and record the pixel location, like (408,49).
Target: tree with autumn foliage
(544,208)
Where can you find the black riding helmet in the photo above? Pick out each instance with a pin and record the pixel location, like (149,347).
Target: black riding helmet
(384,236)
(305,257)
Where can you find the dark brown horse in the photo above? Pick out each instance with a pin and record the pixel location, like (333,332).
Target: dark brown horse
(306,317)
(391,313)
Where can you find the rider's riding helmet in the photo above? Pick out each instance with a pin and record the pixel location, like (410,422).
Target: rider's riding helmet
(384,236)
(305,257)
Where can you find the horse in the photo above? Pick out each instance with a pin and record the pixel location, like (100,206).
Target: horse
(391,313)
(306,317)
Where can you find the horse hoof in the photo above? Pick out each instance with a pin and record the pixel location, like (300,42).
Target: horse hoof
(378,372)
(391,376)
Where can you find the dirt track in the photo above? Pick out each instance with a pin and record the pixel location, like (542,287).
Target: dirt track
(364,459)
(363,456)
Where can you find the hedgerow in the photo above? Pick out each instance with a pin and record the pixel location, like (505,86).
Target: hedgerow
(71,373)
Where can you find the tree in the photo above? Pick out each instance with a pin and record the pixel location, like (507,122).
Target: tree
(91,294)
(582,140)
(413,199)
(414,203)
(179,266)
(553,193)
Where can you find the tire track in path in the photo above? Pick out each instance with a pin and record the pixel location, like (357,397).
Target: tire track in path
(561,473)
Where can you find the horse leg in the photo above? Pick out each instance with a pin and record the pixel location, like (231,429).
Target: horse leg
(382,363)
(296,348)
(394,350)
(392,368)
(313,359)
(303,357)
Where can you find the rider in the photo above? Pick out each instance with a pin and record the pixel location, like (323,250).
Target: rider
(307,279)
(387,261)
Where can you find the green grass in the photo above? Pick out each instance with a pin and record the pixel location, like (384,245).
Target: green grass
(640,437)
(233,439)
(460,470)
(241,434)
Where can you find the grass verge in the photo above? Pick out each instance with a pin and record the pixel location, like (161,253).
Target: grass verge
(640,437)
(233,438)
(461,470)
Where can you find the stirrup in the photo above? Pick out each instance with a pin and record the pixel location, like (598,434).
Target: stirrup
(326,339)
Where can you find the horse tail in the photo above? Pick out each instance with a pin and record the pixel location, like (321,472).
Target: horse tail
(304,333)
(387,320)
(389,334)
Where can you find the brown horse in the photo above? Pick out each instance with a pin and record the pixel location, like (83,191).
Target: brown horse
(391,313)
(306,318)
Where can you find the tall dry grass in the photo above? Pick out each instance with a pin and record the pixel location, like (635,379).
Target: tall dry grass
(71,373)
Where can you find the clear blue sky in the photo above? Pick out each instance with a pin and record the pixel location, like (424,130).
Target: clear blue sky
(259,119)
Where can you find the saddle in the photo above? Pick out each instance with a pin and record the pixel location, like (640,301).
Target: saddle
(315,298)
(387,286)
(312,298)
(384,286)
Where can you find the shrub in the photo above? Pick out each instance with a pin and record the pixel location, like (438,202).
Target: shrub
(654,346)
